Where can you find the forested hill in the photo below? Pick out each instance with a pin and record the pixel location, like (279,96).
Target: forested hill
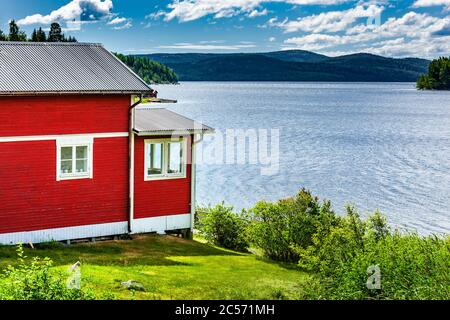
(150,71)
(291,65)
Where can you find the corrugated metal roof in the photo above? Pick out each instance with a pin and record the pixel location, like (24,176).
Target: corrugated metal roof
(163,121)
(46,68)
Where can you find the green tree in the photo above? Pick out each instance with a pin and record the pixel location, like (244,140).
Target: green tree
(71,39)
(438,77)
(150,71)
(15,34)
(55,34)
(3,37)
(38,35)
(423,83)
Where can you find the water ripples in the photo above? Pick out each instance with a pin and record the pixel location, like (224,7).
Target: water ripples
(379,146)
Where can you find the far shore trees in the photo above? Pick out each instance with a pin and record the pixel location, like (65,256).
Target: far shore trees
(438,77)
(15,34)
(38,35)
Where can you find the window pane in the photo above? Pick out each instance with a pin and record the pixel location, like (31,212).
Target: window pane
(66,153)
(175,158)
(82,152)
(155,158)
(66,166)
(81,166)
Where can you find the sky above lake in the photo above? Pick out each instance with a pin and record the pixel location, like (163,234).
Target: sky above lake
(397,28)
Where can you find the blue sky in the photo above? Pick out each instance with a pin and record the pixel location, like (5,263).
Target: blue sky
(396,28)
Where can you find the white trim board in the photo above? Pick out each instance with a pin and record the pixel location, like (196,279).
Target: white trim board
(59,136)
(68,233)
(154,224)
(162,224)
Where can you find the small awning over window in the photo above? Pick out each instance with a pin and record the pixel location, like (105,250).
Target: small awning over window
(159,121)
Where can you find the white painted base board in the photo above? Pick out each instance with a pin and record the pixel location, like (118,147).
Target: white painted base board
(68,233)
(155,224)
(162,224)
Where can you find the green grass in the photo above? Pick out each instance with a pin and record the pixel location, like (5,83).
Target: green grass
(171,268)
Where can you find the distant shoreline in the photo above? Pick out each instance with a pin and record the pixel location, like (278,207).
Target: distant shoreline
(291,66)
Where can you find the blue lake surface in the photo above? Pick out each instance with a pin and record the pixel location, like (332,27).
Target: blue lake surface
(379,146)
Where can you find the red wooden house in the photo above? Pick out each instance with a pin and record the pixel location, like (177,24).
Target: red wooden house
(78,157)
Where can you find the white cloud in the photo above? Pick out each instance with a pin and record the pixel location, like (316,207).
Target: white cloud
(332,21)
(430,3)
(189,10)
(76,10)
(272,39)
(120,23)
(255,13)
(127,25)
(413,34)
(117,20)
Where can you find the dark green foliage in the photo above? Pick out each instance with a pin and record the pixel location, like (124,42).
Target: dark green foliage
(278,229)
(34,280)
(339,251)
(15,34)
(150,71)
(3,37)
(71,39)
(221,226)
(55,34)
(438,77)
(38,35)
(294,65)
(411,267)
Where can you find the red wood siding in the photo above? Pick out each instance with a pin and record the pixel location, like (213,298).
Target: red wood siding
(73,114)
(160,197)
(32,199)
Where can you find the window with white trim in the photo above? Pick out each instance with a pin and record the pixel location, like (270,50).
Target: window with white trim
(165,159)
(74,159)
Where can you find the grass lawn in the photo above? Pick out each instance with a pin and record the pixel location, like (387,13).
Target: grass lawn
(170,268)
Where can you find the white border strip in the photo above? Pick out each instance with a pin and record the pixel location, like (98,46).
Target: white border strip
(68,233)
(56,137)
(162,224)
(154,224)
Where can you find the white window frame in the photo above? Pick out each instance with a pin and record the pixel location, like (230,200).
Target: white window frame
(75,142)
(165,163)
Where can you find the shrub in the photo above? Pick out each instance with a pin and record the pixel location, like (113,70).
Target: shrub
(221,226)
(438,77)
(411,267)
(35,280)
(279,228)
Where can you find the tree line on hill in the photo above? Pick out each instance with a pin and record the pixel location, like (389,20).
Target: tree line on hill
(438,77)
(55,34)
(291,65)
(150,71)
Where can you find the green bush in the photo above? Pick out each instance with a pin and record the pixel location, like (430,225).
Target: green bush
(280,228)
(411,267)
(221,226)
(35,280)
(438,77)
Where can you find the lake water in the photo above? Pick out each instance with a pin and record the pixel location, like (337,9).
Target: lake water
(380,146)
